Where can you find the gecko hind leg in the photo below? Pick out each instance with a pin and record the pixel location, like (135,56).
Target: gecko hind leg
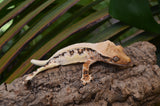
(86,78)
(43,68)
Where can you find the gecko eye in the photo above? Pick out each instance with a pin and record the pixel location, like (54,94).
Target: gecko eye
(115,59)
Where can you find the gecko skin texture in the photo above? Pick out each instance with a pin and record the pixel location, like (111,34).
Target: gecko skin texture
(86,53)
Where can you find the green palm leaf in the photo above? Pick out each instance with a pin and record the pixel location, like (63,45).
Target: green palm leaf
(15,12)
(11,32)
(39,28)
(51,17)
(4,3)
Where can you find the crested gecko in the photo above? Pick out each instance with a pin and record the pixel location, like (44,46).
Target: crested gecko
(86,53)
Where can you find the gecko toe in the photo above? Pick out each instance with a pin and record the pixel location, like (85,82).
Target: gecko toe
(29,77)
(86,79)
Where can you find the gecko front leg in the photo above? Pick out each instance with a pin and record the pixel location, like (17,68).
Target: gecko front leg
(86,78)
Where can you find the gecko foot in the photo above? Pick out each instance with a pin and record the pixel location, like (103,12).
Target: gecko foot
(86,79)
(29,77)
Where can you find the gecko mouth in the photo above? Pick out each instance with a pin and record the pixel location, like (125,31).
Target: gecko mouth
(123,65)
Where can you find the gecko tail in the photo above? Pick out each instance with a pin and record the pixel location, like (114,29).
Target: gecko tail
(39,62)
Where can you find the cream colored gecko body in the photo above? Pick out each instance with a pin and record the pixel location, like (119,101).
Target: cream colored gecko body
(86,53)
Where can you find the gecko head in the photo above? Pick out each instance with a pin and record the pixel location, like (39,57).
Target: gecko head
(118,56)
(115,53)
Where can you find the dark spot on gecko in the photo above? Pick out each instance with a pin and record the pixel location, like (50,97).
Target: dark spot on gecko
(85,72)
(92,50)
(56,57)
(47,62)
(71,52)
(59,55)
(84,49)
(91,58)
(63,53)
(80,51)
(89,49)
(86,76)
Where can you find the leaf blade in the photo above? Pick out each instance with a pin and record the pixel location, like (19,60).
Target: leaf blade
(109,32)
(50,18)
(15,12)
(138,36)
(4,3)
(135,13)
(11,32)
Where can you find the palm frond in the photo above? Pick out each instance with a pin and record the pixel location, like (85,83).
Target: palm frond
(37,29)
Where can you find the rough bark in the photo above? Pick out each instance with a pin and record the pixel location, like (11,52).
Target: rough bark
(111,85)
